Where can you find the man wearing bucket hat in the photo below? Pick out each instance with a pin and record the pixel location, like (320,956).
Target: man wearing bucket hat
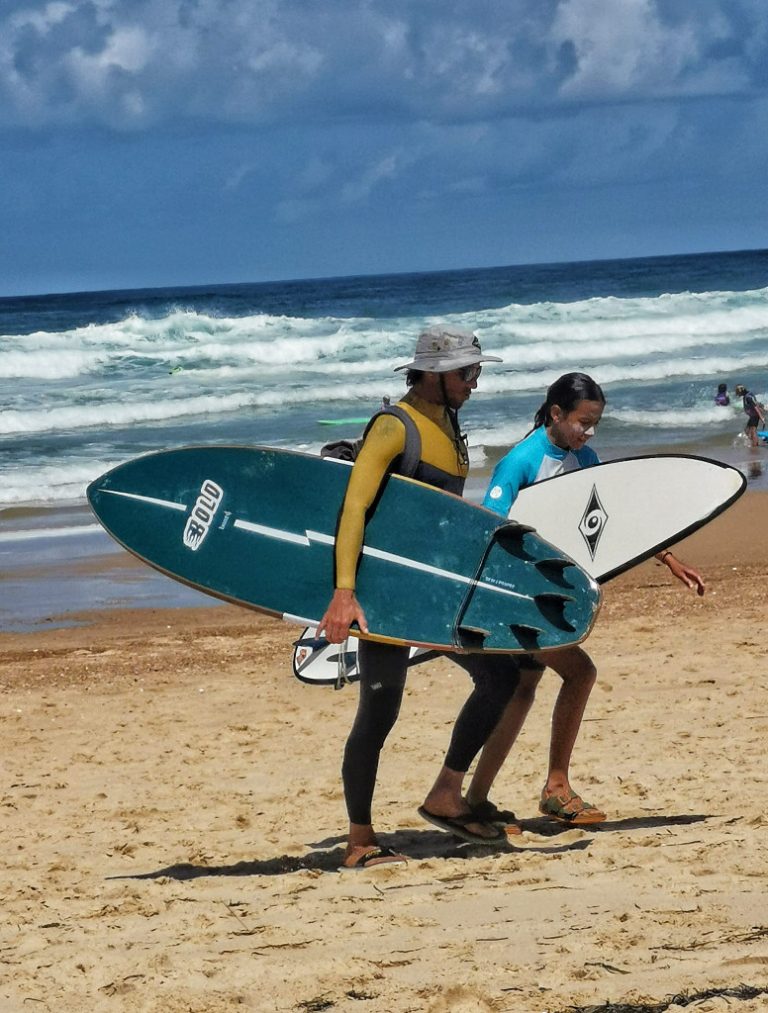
(441,377)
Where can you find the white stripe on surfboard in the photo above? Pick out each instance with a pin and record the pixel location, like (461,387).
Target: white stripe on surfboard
(413,564)
(279,533)
(146,499)
(389,557)
(317,536)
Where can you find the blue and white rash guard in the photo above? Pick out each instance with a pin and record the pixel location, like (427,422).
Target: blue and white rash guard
(532,460)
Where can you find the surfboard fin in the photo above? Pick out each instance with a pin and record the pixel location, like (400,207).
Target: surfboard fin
(471,637)
(552,607)
(528,636)
(554,570)
(316,643)
(511,535)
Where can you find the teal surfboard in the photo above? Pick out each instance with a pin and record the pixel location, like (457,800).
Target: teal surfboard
(256,526)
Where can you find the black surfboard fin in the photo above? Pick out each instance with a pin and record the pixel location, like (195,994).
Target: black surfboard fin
(554,569)
(552,607)
(316,643)
(348,659)
(511,535)
(528,636)
(471,637)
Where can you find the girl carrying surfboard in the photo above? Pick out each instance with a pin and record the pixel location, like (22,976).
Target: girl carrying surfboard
(558,442)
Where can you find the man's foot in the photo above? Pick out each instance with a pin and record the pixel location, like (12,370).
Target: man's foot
(503,818)
(368,856)
(568,807)
(465,826)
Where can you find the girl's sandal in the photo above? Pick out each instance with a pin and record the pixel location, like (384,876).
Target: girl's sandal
(571,809)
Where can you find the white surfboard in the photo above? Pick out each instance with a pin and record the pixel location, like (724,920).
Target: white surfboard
(612,516)
(608,518)
(319,663)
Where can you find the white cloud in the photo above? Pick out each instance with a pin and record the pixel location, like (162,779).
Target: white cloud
(125,49)
(358,190)
(286,57)
(41,19)
(293,61)
(625,49)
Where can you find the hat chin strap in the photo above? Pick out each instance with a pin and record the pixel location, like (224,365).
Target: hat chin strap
(452,413)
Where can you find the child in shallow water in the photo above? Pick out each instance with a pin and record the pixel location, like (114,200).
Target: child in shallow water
(721,398)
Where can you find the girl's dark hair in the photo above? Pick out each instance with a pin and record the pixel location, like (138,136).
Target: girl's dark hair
(566,392)
(413,376)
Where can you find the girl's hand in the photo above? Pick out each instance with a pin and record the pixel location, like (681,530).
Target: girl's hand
(684,573)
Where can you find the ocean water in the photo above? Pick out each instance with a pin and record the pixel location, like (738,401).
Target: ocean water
(88,380)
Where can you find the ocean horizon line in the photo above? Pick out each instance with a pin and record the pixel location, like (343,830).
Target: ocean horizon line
(196,287)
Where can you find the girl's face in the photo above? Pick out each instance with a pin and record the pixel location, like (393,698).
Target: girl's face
(571,430)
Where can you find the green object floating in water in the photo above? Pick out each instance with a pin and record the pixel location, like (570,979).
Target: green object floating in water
(344,422)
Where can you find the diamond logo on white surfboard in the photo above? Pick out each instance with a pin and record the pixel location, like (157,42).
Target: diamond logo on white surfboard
(593,522)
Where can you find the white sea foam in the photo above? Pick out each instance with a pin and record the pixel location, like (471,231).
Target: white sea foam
(493,382)
(38,534)
(52,483)
(677,418)
(111,415)
(604,330)
(504,435)
(282,336)
(138,411)
(114,388)
(40,363)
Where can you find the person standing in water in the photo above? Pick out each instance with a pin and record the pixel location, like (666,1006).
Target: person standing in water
(721,398)
(754,413)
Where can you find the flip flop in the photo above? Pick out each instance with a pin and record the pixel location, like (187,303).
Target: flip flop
(487,812)
(571,809)
(457,825)
(374,858)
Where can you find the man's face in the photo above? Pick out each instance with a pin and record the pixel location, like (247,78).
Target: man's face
(459,384)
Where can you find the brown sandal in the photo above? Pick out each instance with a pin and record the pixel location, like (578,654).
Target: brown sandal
(571,809)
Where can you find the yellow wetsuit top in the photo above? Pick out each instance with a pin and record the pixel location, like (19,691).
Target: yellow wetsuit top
(444,463)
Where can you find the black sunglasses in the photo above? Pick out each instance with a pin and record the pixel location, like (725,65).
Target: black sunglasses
(470,373)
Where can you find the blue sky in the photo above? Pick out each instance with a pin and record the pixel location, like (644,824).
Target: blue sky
(172,142)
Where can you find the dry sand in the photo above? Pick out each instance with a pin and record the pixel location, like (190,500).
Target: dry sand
(172,820)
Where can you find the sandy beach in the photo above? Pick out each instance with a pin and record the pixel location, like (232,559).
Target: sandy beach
(172,820)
